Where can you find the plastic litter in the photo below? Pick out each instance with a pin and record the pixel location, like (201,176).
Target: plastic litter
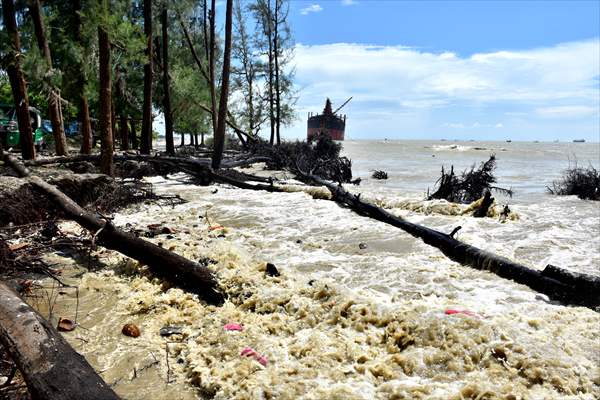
(250,352)
(465,312)
(232,326)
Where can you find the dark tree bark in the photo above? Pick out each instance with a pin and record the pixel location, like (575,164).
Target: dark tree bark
(271,72)
(166,84)
(50,366)
(134,139)
(277,87)
(54,108)
(124,130)
(485,205)
(17,81)
(86,125)
(219,140)
(106,135)
(146,134)
(211,67)
(84,108)
(122,101)
(113,119)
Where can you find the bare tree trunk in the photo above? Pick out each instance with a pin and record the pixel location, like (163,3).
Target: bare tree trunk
(195,140)
(113,119)
(124,129)
(167,96)
(86,125)
(277,88)
(146,135)
(211,68)
(50,366)
(106,136)
(84,108)
(270,84)
(202,139)
(17,81)
(219,140)
(134,141)
(54,108)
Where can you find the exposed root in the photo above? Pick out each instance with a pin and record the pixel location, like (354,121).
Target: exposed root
(581,182)
(470,185)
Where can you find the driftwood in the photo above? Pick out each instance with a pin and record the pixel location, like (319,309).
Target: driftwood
(49,365)
(576,289)
(485,205)
(185,273)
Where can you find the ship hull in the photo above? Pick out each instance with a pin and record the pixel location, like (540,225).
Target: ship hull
(331,125)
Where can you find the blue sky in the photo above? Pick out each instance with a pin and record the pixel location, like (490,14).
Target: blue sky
(455,70)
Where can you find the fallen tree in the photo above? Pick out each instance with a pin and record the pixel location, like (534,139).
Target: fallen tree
(188,274)
(470,186)
(49,365)
(569,288)
(581,182)
(320,154)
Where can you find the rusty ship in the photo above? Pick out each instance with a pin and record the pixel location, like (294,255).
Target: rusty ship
(328,122)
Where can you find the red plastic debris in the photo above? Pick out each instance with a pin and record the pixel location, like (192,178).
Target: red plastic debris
(465,312)
(250,352)
(232,326)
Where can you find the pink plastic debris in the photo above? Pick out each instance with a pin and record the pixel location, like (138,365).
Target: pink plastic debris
(465,312)
(232,326)
(250,352)
(263,361)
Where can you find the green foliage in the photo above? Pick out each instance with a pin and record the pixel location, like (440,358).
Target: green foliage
(5,90)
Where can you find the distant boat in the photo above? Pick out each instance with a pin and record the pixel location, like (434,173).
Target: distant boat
(579,141)
(508,141)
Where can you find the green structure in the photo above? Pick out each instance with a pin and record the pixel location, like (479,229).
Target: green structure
(9,130)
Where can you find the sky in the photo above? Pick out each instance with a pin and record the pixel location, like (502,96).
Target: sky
(450,69)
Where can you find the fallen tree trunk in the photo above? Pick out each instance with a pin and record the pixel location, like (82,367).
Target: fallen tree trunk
(185,273)
(195,162)
(49,365)
(558,284)
(576,289)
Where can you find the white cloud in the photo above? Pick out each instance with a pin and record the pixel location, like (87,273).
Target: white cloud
(559,81)
(349,2)
(311,9)
(572,111)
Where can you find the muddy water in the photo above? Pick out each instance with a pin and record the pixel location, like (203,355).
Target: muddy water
(359,311)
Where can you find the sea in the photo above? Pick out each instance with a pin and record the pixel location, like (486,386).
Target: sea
(362,310)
